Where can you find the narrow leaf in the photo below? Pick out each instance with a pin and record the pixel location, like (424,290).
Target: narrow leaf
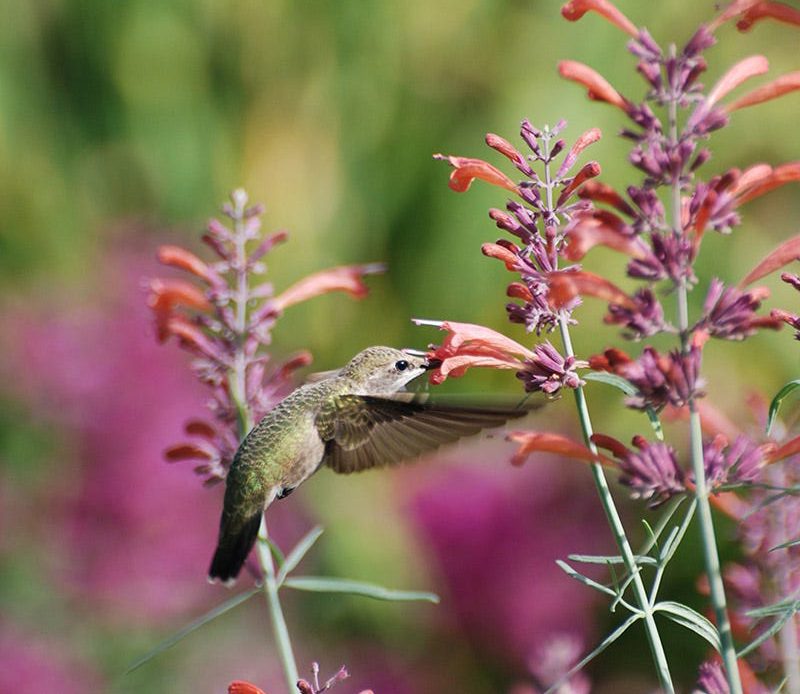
(296,555)
(611,559)
(781,395)
(605,643)
(777,608)
(609,379)
(786,545)
(321,584)
(567,569)
(218,611)
(768,634)
(691,619)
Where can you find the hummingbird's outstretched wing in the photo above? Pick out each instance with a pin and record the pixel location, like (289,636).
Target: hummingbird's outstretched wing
(365,431)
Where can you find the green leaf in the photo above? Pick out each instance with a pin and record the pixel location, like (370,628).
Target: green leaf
(605,643)
(296,555)
(567,569)
(605,560)
(786,545)
(618,382)
(691,619)
(777,608)
(218,611)
(781,395)
(321,584)
(628,388)
(768,634)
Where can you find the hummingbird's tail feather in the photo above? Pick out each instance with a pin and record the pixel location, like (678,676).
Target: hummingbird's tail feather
(233,549)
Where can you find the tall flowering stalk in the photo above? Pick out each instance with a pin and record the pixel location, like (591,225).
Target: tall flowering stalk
(556,217)
(224,319)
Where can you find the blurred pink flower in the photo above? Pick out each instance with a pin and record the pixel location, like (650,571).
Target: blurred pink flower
(31,665)
(495,532)
(130,533)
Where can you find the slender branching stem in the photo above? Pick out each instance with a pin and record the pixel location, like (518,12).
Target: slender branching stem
(238,383)
(607,500)
(706,522)
(617,528)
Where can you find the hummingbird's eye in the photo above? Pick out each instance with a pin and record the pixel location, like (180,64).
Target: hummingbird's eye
(401,365)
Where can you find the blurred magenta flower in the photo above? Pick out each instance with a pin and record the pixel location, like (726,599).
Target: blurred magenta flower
(34,665)
(129,533)
(495,532)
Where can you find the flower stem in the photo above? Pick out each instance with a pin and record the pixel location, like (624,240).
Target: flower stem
(279,628)
(238,383)
(709,540)
(607,501)
(615,523)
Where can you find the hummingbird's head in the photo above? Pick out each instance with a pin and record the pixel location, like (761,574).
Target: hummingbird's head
(378,370)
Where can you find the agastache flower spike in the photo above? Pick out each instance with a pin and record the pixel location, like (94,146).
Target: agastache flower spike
(227,320)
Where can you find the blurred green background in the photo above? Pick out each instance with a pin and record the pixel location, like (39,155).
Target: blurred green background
(125,125)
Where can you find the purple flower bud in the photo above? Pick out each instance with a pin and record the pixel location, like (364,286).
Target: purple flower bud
(652,472)
(645,320)
(730,313)
(547,371)
(735,464)
(669,379)
(711,679)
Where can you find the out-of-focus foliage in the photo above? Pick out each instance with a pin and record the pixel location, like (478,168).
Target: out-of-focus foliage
(124,125)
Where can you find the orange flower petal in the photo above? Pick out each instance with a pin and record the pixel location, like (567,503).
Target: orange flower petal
(762,182)
(466,170)
(166,295)
(494,250)
(186,451)
(782,255)
(504,147)
(240,687)
(600,192)
(575,9)
(180,258)
(517,290)
(565,286)
(549,442)
(790,448)
(461,333)
(768,10)
(346,278)
(783,85)
(587,172)
(588,138)
(598,87)
(600,228)
(740,72)
(456,366)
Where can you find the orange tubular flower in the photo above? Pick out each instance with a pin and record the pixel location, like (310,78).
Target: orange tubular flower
(346,278)
(782,255)
(565,286)
(598,87)
(166,295)
(468,345)
(180,258)
(549,442)
(575,9)
(466,170)
(241,687)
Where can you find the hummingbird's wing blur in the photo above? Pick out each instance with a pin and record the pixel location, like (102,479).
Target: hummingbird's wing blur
(365,431)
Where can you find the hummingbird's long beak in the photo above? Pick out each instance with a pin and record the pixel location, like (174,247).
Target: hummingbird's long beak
(432,364)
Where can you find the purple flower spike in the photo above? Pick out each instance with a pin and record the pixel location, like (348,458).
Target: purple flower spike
(547,371)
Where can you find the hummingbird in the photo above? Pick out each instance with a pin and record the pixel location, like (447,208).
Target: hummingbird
(352,419)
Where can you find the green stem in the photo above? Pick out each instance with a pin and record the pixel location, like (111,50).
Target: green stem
(279,628)
(706,522)
(238,382)
(615,523)
(607,501)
